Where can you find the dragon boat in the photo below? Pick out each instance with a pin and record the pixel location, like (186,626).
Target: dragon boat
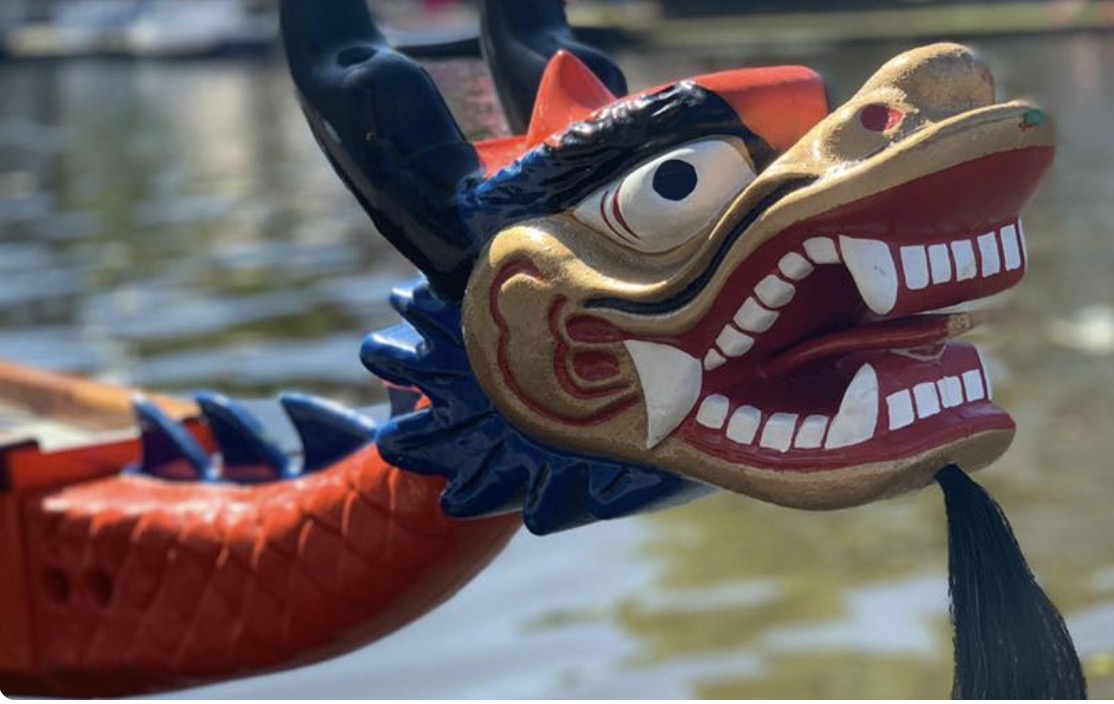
(637,299)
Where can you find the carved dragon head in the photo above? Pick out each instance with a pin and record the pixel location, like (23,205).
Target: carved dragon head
(744,307)
(717,280)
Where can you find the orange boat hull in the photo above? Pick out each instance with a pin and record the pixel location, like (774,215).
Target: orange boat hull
(114,584)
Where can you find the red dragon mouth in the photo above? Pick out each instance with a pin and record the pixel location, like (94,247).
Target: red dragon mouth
(841,366)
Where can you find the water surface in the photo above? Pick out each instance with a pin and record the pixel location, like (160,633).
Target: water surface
(173,226)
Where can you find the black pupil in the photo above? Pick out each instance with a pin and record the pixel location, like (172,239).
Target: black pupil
(675,180)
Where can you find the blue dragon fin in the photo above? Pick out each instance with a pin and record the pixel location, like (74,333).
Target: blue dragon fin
(169,451)
(249,454)
(329,431)
(403,399)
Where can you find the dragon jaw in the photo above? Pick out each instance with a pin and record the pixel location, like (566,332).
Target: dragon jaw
(775,352)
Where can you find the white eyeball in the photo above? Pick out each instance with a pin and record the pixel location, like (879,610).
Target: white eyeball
(671,199)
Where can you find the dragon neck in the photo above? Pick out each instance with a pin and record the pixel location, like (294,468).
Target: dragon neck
(491,466)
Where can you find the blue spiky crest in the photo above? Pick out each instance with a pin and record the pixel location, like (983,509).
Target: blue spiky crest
(249,455)
(492,467)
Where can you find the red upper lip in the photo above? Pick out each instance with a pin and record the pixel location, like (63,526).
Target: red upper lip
(956,205)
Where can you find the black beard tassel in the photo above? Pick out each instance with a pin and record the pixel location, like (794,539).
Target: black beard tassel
(1010,641)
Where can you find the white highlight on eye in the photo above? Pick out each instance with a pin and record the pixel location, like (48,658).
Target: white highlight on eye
(646,211)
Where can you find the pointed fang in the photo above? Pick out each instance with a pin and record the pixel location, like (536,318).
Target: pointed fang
(329,432)
(249,455)
(169,451)
(671,380)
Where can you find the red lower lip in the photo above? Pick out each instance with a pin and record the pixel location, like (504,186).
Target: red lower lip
(921,405)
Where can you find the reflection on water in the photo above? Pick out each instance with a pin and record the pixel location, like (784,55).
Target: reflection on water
(173,226)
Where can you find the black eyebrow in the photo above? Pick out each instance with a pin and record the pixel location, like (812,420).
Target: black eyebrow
(557,177)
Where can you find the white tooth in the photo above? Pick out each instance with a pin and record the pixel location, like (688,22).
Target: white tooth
(713,360)
(951,391)
(795,267)
(734,343)
(774,292)
(872,267)
(858,412)
(900,406)
(988,252)
(928,403)
(965,266)
(713,412)
(822,250)
(811,432)
(985,374)
(915,263)
(972,384)
(744,424)
(1011,247)
(778,432)
(940,263)
(752,317)
(1021,237)
(671,382)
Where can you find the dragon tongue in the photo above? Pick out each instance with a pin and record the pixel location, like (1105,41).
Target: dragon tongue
(671,380)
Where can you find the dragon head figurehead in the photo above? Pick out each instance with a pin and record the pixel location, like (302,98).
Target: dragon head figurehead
(717,282)
(754,311)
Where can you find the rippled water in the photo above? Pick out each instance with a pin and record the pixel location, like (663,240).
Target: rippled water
(173,226)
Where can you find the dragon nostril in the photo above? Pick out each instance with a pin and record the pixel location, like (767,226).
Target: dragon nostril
(880,118)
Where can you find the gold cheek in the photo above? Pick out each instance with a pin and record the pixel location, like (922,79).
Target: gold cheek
(516,317)
(532,353)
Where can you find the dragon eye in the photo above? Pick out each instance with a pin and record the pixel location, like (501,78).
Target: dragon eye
(671,199)
(675,179)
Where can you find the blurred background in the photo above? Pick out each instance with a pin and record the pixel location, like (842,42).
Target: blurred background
(167,221)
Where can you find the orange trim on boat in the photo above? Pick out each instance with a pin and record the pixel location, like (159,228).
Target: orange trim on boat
(71,399)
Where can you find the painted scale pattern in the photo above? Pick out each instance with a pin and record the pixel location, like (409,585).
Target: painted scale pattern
(139,584)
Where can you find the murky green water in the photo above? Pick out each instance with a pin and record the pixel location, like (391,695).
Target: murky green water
(173,226)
